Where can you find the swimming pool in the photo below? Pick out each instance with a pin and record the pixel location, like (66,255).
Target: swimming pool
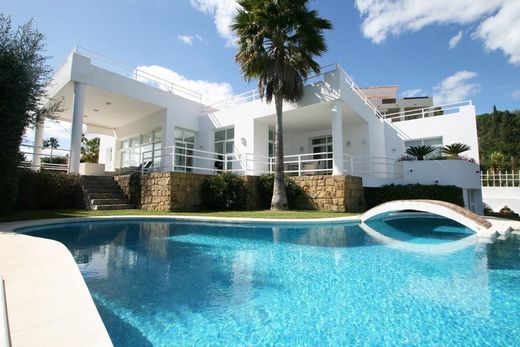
(398,281)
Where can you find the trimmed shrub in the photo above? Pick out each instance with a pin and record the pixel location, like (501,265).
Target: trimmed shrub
(48,190)
(376,196)
(225,191)
(296,197)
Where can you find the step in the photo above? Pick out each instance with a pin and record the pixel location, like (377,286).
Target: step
(96,188)
(113,195)
(94,179)
(108,201)
(89,191)
(112,207)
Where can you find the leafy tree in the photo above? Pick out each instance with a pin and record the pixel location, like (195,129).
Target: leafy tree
(277,42)
(90,150)
(23,77)
(455,149)
(420,151)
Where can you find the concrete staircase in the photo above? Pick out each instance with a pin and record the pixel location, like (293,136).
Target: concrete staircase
(103,193)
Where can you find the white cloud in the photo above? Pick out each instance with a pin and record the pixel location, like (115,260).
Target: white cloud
(410,93)
(187,39)
(223,12)
(454,88)
(211,91)
(502,31)
(499,26)
(516,94)
(454,41)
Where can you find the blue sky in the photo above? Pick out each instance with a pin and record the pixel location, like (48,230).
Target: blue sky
(404,42)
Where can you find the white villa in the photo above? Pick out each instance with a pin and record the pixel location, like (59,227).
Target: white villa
(337,129)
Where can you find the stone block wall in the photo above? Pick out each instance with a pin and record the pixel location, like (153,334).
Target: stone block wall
(332,193)
(185,191)
(131,186)
(178,191)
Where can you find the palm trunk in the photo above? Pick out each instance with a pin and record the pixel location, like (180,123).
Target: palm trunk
(279,200)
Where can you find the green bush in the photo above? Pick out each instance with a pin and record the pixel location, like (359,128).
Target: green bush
(376,196)
(48,190)
(225,191)
(296,197)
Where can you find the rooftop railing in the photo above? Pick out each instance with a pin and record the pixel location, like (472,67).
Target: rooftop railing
(426,112)
(137,74)
(255,95)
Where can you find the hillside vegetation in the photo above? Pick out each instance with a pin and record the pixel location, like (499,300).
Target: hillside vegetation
(499,139)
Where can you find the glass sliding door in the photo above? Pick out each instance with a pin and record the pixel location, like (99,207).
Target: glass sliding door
(184,146)
(225,146)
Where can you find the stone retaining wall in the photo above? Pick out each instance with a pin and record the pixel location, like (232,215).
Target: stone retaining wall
(177,191)
(332,193)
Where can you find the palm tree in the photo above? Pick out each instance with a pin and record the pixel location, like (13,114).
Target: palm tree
(277,41)
(420,151)
(455,149)
(51,143)
(496,161)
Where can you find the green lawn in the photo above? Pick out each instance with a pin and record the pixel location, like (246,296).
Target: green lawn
(46,214)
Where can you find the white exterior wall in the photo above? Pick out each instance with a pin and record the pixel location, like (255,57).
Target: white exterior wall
(498,197)
(459,127)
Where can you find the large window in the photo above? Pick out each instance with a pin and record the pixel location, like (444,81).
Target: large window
(225,144)
(147,146)
(434,141)
(184,145)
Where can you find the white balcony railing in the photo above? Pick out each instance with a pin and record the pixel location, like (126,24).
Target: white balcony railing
(182,159)
(54,159)
(373,167)
(426,112)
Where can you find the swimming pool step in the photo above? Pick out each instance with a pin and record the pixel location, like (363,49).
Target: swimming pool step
(112,207)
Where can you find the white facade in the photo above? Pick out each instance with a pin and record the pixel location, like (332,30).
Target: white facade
(335,129)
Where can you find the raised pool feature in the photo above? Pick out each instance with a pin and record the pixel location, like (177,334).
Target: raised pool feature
(409,280)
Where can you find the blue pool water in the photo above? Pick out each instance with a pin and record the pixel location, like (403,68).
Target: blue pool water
(413,281)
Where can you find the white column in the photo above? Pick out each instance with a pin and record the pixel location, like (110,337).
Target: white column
(38,146)
(168,141)
(337,139)
(78,104)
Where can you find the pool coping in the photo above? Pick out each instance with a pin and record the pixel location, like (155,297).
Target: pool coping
(14,226)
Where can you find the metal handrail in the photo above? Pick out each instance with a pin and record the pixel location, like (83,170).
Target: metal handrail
(137,74)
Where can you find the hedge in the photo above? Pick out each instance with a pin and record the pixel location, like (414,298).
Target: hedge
(376,196)
(223,192)
(48,190)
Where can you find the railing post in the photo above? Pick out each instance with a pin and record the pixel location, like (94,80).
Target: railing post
(299,165)
(225,162)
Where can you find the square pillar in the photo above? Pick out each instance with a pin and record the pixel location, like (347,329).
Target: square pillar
(337,139)
(78,105)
